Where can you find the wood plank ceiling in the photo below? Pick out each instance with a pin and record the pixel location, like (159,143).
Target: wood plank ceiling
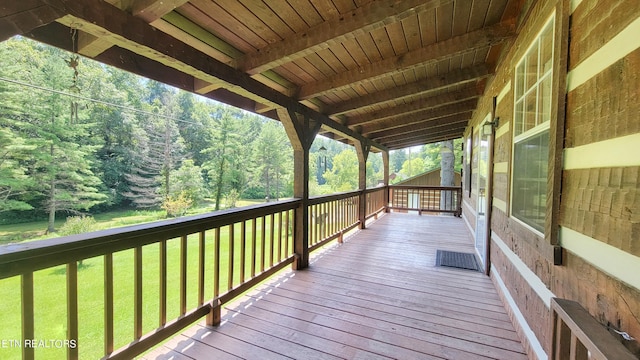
(398,73)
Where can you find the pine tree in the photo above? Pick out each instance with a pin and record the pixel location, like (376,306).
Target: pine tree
(60,164)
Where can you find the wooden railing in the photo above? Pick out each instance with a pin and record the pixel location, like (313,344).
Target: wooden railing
(576,335)
(436,199)
(235,250)
(375,201)
(331,216)
(196,264)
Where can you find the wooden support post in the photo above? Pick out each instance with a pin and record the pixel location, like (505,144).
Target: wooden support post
(214,316)
(362,149)
(385,168)
(301,132)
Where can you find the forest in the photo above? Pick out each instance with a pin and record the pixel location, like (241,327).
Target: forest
(81,138)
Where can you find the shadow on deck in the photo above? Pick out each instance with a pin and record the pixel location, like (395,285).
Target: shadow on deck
(377,296)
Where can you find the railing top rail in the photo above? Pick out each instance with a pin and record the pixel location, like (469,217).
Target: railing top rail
(342,195)
(24,257)
(425,187)
(596,339)
(332,197)
(374,189)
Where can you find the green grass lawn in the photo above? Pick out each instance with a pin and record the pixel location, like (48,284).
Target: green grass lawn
(36,230)
(50,291)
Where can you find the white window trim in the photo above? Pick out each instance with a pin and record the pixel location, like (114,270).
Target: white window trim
(538,128)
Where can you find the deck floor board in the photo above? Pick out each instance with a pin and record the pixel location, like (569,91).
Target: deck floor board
(377,296)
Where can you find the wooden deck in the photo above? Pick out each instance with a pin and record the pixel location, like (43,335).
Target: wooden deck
(377,296)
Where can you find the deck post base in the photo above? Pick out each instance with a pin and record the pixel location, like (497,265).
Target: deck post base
(214,317)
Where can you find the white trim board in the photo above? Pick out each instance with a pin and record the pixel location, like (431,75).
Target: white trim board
(466,204)
(574,5)
(530,335)
(607,153)
(613,261)
(500,204)
(504,92)
(530,277)
(503,129)
(501,167)
(620,46)
(466,221)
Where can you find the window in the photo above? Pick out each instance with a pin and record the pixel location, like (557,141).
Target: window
(532,113)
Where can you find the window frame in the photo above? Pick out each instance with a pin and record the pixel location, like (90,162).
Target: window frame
(539,127)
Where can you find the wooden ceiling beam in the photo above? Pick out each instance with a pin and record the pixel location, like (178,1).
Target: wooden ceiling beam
(435,133)
(152,10)
(447,112)
(427,133)
(398,146)
(421,125)
(439,82)
(469,92)
(372,16)
(428,55)
(20,17)
(148,10)
(424,139)
(425,125)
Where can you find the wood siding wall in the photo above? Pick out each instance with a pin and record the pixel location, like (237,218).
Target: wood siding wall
(431,178)
(600,201)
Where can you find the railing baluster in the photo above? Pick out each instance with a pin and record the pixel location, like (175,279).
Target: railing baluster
(313,224)
(137,285)
(243,249)
(263,245)
(216,263)
(72,308)
(27,314)
(332,218)
(286,237)
(231,256)
(253,246)
(108,303)
(279,236)
(578,351)
(329,218)
(325,222)
(183,275)
(163,283)
(271,238)
(201,245)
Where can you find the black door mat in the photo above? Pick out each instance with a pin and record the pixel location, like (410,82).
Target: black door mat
(457,260)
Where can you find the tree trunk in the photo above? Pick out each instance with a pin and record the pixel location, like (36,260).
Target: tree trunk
(447,161)
(219,183)
(52,200)
(267,186)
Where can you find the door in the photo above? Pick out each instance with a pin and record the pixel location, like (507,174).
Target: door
(481,190)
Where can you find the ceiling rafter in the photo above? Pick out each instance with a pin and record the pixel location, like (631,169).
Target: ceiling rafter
(438,82)
(372,16)
(426,140)
(431,54)
(403,142)
(147,10)
(423,125)
(469,92)
(418,117)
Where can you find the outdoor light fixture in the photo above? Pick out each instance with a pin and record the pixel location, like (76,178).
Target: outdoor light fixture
(488,127)
(323,157)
